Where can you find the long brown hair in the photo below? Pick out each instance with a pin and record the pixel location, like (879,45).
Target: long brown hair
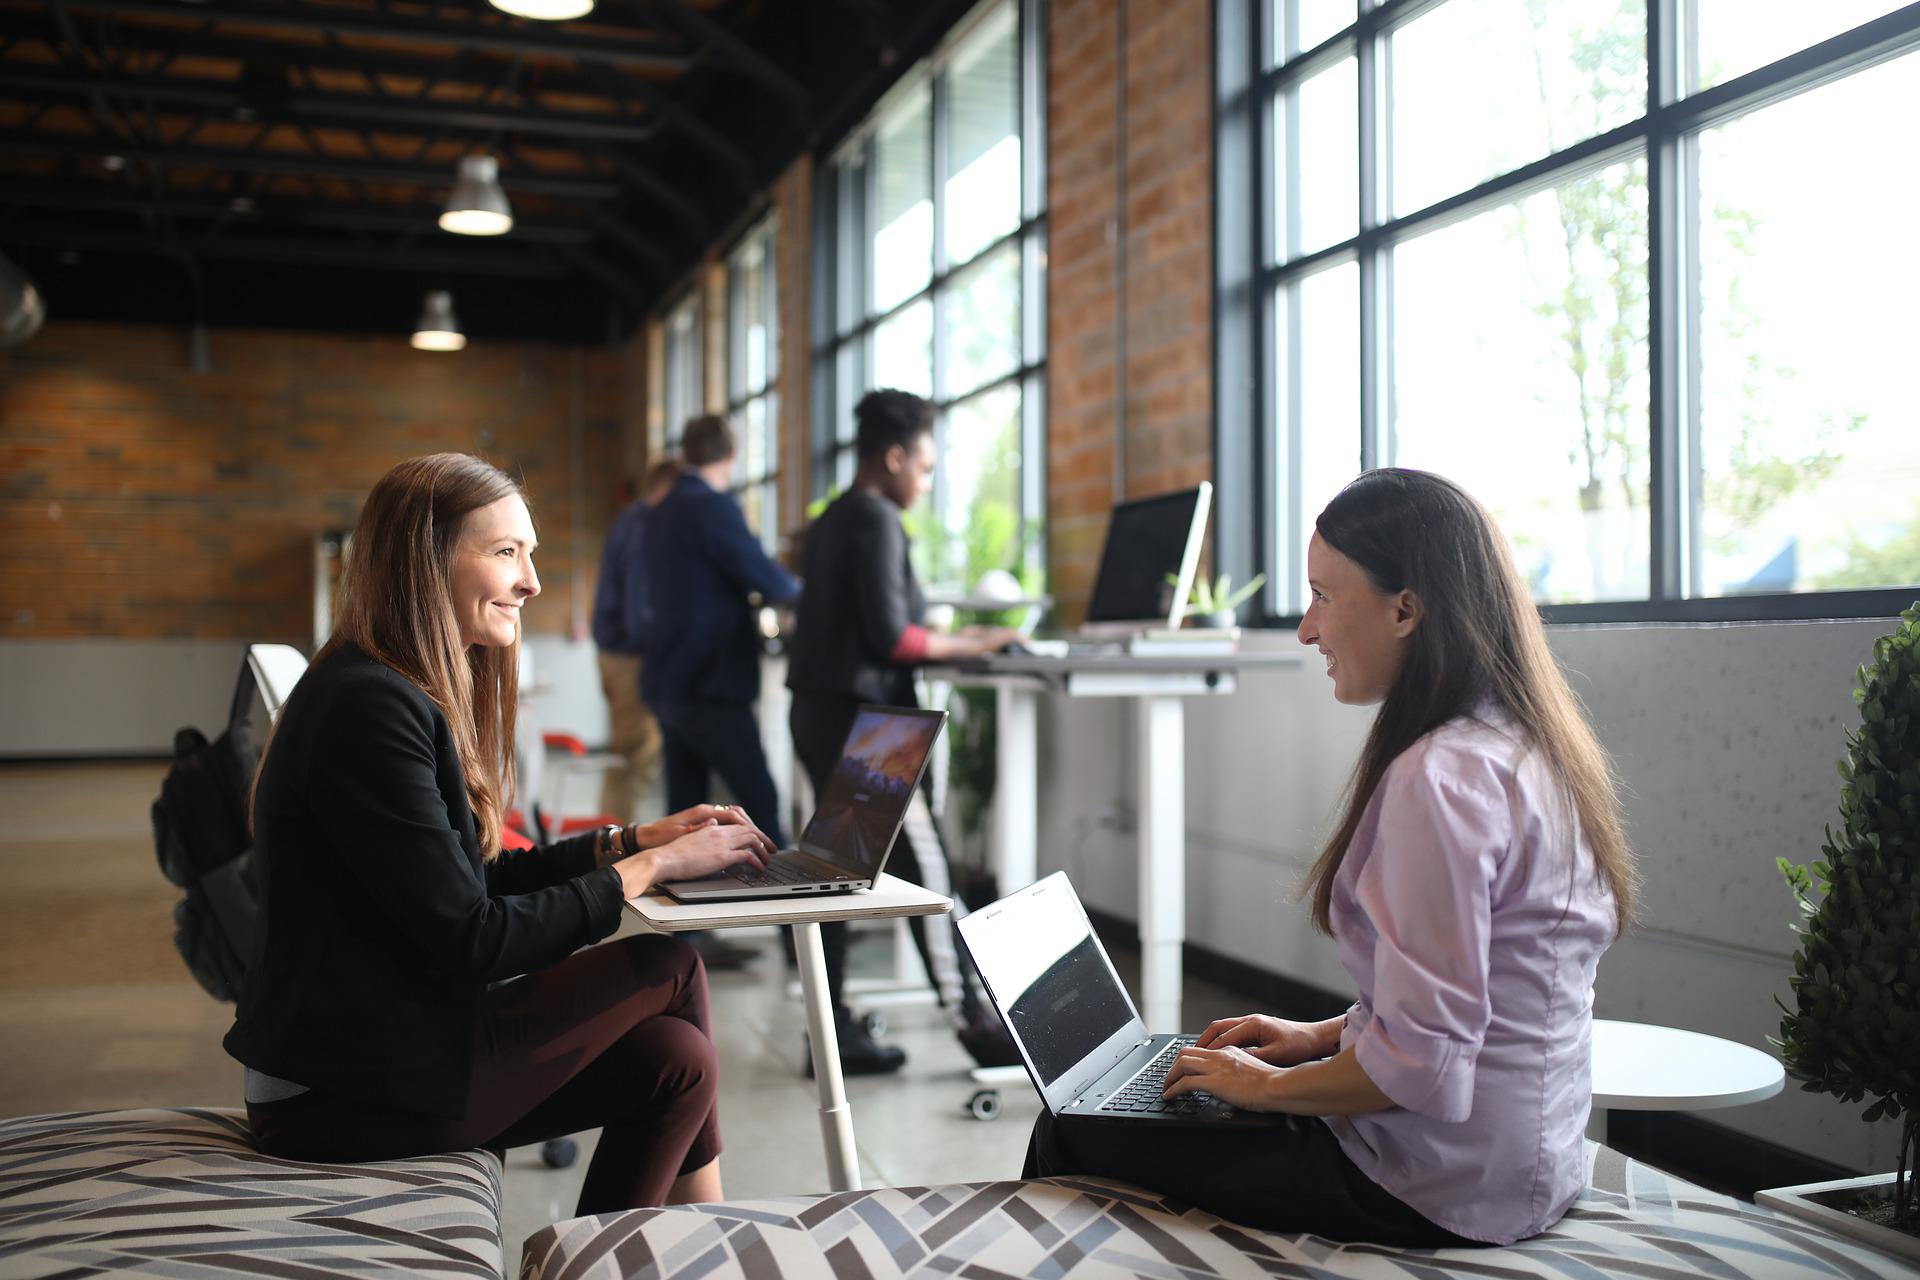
(396,606)
(1479,639)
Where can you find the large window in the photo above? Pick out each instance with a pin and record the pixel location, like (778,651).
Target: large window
(932,240)
(685,373)
(753,359)
(1635,272)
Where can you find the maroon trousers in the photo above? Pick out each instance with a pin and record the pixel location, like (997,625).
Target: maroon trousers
(615,1036)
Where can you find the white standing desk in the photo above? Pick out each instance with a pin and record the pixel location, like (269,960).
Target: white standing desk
(1640,1067)
(1157,685)
(804,913)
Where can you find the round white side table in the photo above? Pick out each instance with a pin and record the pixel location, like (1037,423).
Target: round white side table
(1641,1067)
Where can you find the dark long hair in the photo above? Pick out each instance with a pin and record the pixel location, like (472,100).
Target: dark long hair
(1479,639)
(396,606)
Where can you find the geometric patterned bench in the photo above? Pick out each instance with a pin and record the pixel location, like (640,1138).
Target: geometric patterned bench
(1632,1222)
(177,1192)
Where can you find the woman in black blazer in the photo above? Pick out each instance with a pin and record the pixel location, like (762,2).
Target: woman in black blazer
(368,1025)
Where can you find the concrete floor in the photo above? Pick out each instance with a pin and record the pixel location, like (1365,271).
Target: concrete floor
(99,1012)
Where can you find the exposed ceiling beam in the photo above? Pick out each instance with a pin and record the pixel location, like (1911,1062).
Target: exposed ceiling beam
(733,49)
(616,281)
(668,113)
(199,42)
(25,142)
(316,108)
(645,180)
(285,252)
(636,244)
(281,214)
(505,35)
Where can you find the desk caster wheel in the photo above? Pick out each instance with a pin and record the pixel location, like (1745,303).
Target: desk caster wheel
(559,1153)
(874,1022)
(984,1104)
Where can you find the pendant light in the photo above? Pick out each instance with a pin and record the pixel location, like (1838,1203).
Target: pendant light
(478,206)
(438,330)
(545,10)
(22,309)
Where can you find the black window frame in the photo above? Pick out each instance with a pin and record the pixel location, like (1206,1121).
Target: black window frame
(842,259)
(1247,514)
(740,393)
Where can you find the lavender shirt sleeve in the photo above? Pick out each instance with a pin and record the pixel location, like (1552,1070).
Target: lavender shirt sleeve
(1427,888)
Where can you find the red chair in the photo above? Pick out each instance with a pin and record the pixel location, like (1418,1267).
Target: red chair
(567,745)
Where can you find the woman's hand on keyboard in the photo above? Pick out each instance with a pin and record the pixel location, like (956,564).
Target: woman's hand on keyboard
(1267,1038)
(1231,1075)
(712,846)
(651,835)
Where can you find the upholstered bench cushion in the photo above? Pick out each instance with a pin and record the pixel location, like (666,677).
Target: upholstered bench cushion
(1632,1222)
(179,1191)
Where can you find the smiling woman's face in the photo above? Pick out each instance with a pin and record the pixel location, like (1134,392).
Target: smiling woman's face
(1362,631)
(492,573)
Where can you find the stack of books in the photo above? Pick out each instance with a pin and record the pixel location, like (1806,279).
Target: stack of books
(1188,642)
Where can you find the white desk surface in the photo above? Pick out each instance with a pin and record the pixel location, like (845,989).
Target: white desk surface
(1638,1067)
(1032,664)
(890,896)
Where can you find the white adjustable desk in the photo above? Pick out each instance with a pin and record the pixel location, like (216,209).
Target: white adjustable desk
(1157,685)
(804,913)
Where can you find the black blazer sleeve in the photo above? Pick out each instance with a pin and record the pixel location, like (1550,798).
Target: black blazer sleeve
(524,870)
(393,810)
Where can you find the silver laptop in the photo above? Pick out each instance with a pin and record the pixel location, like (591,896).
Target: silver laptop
(1148,541)
(855,822)
(1077,1030)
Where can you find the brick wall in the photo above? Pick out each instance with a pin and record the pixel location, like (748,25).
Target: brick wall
(154,502)
(1130,278)
(793,259)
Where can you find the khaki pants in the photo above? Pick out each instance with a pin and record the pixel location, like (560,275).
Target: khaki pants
(633,735)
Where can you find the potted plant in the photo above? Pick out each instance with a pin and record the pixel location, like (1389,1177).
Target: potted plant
(1854,1027)
(1211,603)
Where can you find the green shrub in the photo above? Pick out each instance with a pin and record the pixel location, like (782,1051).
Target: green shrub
(1854,1028)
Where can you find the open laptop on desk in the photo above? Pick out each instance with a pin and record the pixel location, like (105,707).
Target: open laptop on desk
(1076,1028)
(854,825)
(1148,540)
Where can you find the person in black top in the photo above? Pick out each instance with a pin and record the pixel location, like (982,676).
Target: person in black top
(414,987)
(860,629)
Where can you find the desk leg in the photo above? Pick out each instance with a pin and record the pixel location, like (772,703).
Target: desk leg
(1016,810)
(836,1117)
(1163,888)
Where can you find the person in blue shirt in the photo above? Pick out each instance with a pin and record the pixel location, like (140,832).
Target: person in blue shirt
(702,672)
(620,614)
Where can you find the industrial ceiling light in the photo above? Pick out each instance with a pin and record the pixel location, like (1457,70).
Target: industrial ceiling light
(477,206)
(545,10)
(22,309)
(438,330)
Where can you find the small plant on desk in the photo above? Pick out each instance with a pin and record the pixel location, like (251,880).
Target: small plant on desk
(1854,1028)
(1212,603)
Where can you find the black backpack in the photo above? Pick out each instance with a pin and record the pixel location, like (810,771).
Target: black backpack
(200,833)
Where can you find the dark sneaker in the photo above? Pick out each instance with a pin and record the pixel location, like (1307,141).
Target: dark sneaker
(987,1040)
(862,1055)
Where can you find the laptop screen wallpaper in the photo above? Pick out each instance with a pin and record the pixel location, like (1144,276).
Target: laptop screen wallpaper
(871,786)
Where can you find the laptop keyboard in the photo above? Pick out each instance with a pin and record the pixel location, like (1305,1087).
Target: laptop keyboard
(779,871)
(1142,1093)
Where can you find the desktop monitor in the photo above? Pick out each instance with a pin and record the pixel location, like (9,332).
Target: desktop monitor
(1147,540)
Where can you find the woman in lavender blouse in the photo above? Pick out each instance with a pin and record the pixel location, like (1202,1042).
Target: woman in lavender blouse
(1477,872)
